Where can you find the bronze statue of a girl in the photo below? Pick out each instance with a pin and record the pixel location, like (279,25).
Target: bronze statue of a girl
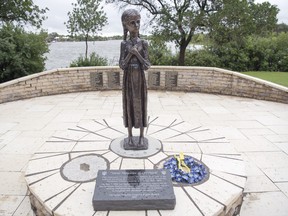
(133,61)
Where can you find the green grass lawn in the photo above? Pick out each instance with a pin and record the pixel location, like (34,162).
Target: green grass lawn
(280,78)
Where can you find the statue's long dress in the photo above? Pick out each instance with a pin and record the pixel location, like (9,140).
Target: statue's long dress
(134,84)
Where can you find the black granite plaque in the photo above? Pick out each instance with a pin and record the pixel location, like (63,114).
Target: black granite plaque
(154,79)
(133,190)
(96,79)
(113,79)
(171,79)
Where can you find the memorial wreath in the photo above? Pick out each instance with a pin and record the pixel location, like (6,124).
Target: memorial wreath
(185,169)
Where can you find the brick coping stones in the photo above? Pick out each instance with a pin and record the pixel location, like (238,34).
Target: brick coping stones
(172,78)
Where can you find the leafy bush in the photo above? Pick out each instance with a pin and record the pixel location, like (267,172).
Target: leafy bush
(268,53)
(203,57)
(92,60)
(21,53)
(160,54)
(255,53)
(232,56)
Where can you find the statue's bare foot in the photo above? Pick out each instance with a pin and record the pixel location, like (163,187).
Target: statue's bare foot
(130,141)
(141,141)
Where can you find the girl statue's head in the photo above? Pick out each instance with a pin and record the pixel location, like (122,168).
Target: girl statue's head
(128,16)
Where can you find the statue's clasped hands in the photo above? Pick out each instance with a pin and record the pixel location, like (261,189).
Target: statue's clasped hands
(134,50)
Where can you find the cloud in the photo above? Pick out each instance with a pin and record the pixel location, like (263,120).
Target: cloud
(58,10)
(57,16)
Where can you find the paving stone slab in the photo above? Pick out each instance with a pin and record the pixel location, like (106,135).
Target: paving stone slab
(271,203)
(72,197)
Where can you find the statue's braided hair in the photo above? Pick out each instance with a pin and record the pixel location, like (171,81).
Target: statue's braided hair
(125,19)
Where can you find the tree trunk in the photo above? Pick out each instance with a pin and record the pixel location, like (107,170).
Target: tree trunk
(183,45)
(86,42)
(181,59)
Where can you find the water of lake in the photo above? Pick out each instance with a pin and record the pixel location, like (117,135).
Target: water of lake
(63,53)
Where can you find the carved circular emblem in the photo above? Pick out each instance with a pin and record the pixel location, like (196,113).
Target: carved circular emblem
(83,168)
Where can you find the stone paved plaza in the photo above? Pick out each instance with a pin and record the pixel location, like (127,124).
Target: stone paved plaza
(258,130)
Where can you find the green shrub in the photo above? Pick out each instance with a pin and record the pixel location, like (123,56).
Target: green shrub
(233,57)
(268,53)
(255,53)
(203,57)
(21,53)
(92,60)
(160,54)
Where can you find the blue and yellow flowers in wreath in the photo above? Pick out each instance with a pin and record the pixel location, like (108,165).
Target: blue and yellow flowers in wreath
(184,169)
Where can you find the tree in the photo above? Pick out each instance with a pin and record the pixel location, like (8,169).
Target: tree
(282,27)
(86,18)
(159,53)
(22,12)
(233,23)
(176,21)
(180,20)
(21,53)
(236,20)
(264,17)
(52,37)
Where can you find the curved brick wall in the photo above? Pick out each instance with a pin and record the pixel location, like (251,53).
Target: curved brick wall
(191,79)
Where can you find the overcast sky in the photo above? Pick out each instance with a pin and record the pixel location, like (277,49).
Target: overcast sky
(58,10)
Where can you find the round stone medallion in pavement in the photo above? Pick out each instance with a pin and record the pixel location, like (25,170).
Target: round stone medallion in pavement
(56,190)
(83,168)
